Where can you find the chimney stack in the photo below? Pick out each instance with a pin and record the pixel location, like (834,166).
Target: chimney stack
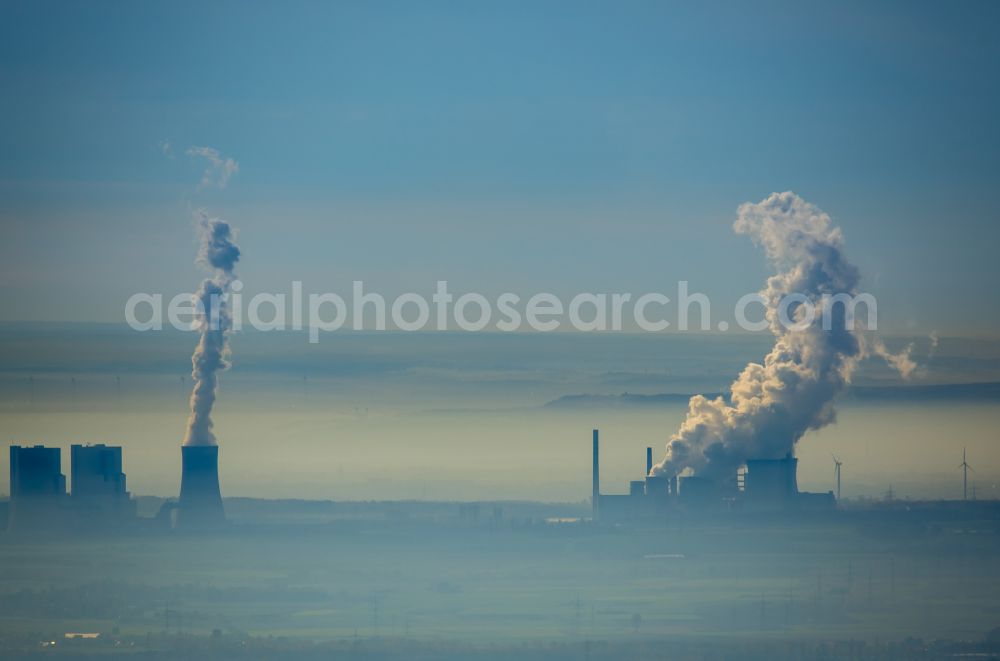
(596,494)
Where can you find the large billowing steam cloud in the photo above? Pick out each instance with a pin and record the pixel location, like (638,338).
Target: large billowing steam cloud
(772,405)
(213,319)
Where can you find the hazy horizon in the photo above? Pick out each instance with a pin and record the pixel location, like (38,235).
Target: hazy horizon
(467,416)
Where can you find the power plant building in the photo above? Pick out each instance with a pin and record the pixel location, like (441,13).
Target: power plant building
(36,472)
(648,497)
(97,482)
(37,487)
(766,485)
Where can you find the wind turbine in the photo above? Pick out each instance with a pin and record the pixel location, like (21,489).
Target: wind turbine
(965,476)
(837,463)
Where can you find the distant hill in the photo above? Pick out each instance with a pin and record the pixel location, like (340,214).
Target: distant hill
(623,400)
(952,392)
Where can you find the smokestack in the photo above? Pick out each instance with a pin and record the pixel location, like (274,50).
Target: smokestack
(596,495)
(649,460)
(200,504)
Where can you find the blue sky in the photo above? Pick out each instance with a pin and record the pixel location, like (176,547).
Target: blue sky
(501,146)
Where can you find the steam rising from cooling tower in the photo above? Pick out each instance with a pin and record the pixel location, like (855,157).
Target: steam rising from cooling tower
(773,405)
(213,319)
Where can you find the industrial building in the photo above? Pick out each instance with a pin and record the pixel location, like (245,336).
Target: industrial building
(763,485)
(36,472)
(98,484)
(38,497)
(99,497)
(37,487)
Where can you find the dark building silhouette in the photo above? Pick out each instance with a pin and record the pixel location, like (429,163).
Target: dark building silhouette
(200,504)
(37,487)
(98,483)
(771,483)
(699,492)
(647,497)
(36,472)
(657,487)
(96,470)
(766,485)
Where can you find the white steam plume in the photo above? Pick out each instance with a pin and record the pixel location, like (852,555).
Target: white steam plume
(772,405)
(220,168)
(213,320)
(902,361)
(934,338)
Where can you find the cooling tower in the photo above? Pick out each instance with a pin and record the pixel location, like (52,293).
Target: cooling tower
(771,483)
(200,505)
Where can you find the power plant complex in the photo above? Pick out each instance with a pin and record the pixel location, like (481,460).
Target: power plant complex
(38,496)
(98,496)
(762,485)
